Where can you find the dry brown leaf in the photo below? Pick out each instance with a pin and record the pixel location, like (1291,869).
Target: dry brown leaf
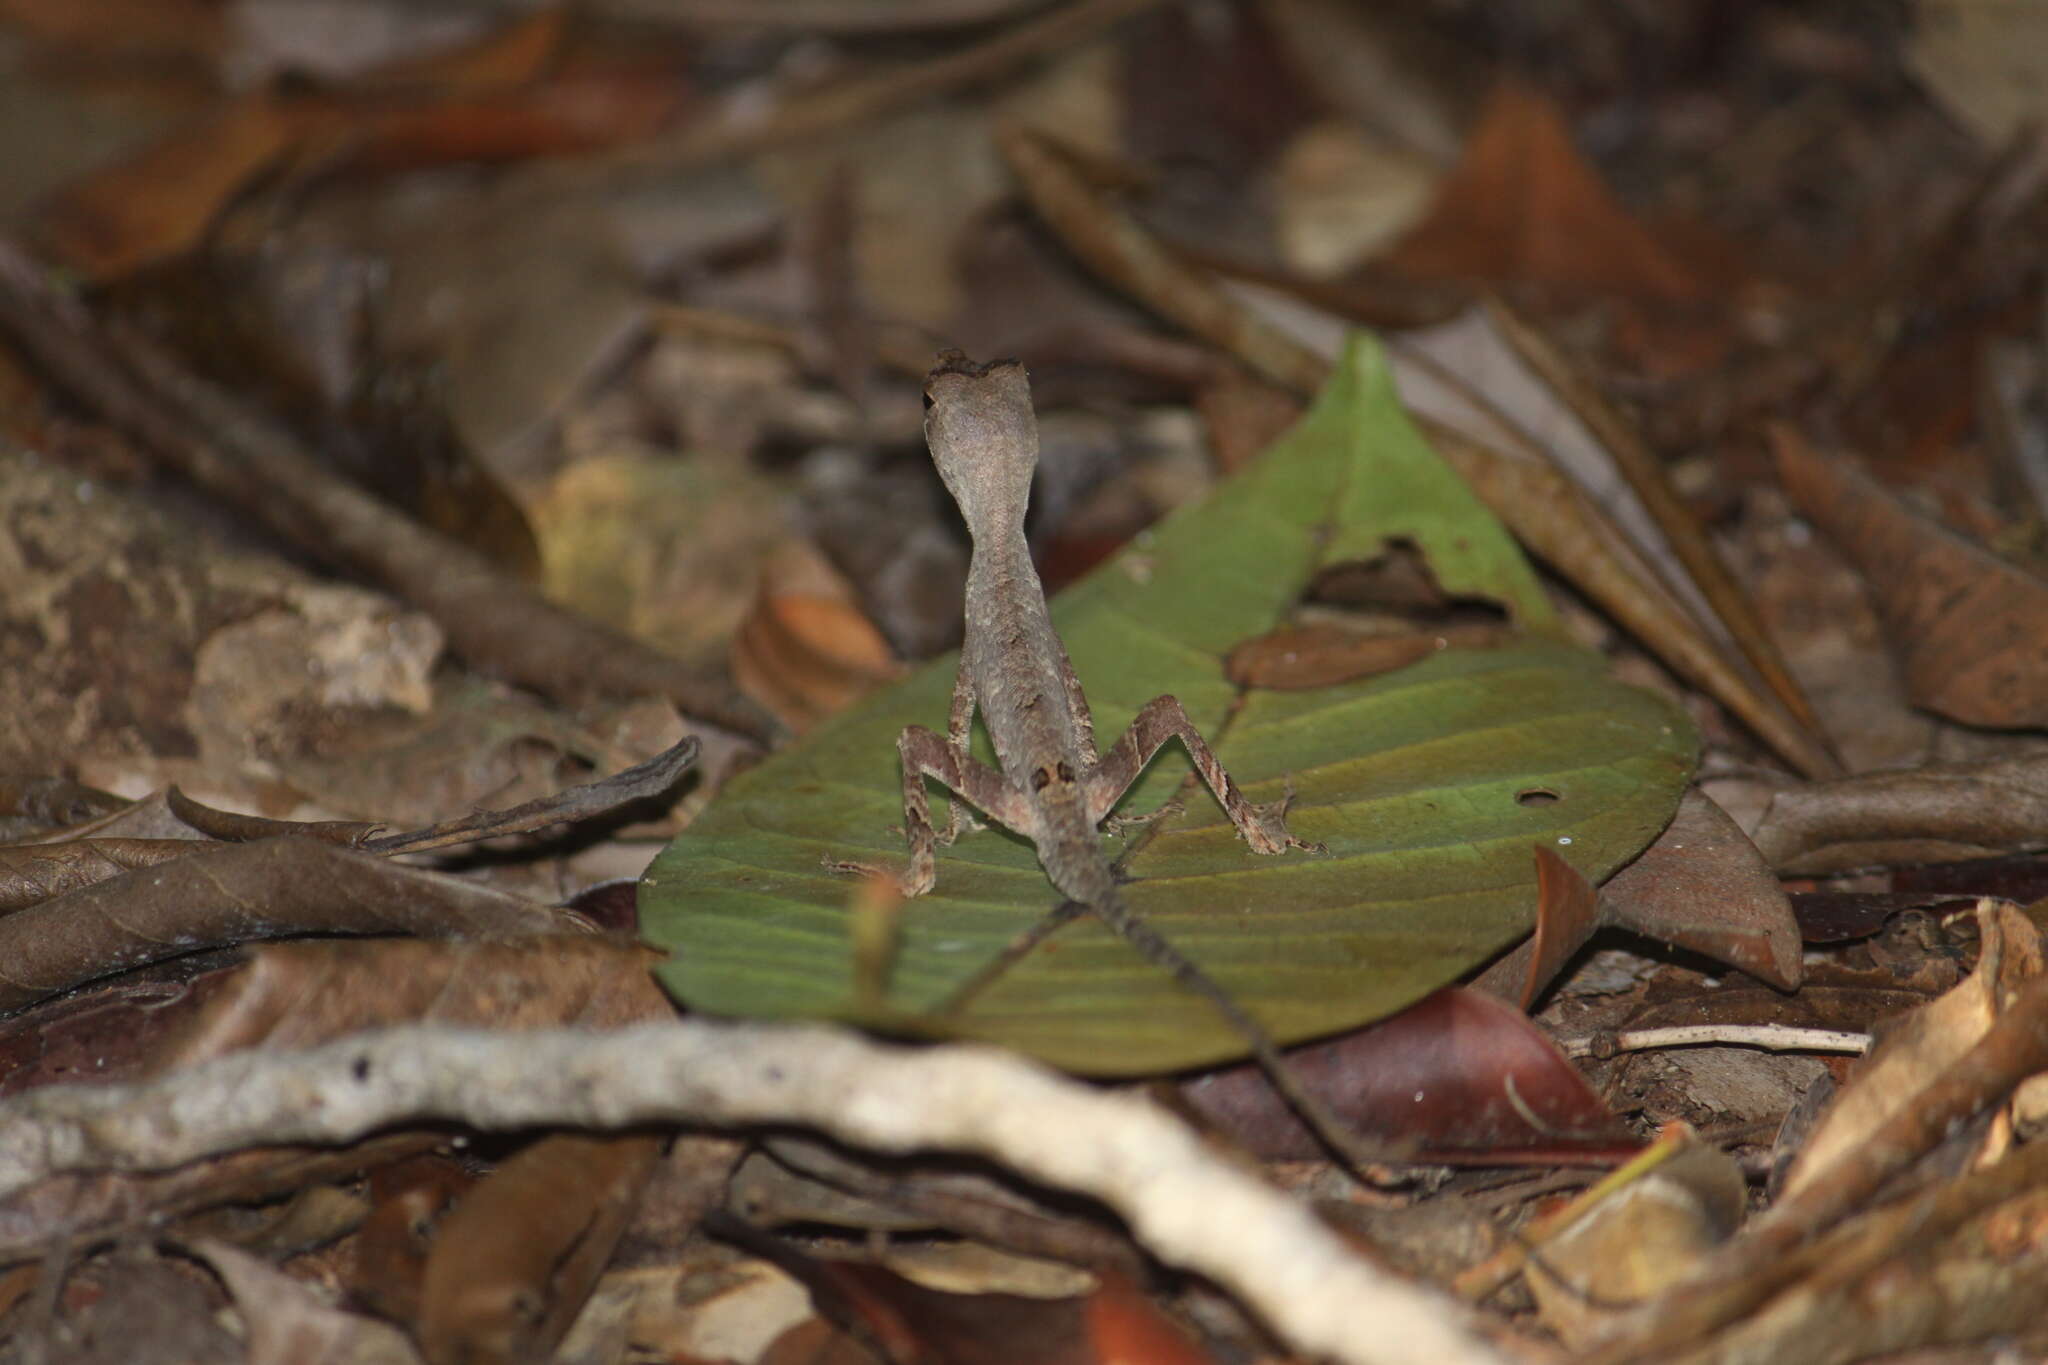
(1925,1044)
(1703,885)
(1971,629)
(30,873)
(161,202)
(1937,813)
(303,994)
(231,894)
(805,657)
(1300,658)
(287,1323)
(1524,207)
(515,1262)
(1638,1241)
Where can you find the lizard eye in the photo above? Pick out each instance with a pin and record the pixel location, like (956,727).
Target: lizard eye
(927,400)
(1066,773)
(1041,778)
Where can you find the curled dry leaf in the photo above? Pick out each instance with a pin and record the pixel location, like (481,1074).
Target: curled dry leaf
(1971,629)
(1926,1043)
(1568,910)
(1938,813)
(1702,885)
(585,801)
(239,828)
(266,889)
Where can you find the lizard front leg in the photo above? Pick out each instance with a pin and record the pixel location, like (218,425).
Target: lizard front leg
(925,754)
(1264,827)
(959,724)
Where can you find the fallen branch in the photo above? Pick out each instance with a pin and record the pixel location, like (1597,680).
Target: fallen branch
(1189,1206)
(208,436)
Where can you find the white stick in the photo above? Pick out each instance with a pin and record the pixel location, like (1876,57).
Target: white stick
(1774,1037)
(1184,1203)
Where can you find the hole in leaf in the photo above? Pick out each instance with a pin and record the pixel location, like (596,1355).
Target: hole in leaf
(1537,796)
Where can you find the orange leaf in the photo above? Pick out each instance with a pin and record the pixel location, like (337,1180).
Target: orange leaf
(806,656)
(1524,207)
(160,203)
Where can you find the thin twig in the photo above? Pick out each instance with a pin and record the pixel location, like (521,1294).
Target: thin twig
(1183,1201)
(1727,1285)
(1774,1037)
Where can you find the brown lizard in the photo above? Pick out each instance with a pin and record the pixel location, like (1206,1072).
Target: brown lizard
(1054,787)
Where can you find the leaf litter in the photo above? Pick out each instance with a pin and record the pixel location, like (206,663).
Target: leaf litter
(1851,417)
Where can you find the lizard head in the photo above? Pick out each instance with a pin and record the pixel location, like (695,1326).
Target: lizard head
(983,437)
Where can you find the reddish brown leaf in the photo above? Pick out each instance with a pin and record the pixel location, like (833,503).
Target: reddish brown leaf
(804,656)
(515,1262)
(390,1250)
(1567,912)
(1524,207)
(161,202)
(910,1323)
(1462,1076)
(1703,885)
(587,108)
(1300,658)
(1125,1329)
(507,97)
(1970,629)
(109,1034)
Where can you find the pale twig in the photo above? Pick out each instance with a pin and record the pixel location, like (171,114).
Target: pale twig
(1773,1037)
(1188,1205)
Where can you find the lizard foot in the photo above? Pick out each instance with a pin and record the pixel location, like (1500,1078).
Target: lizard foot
(906,882)
(1115,823)
(1266,831)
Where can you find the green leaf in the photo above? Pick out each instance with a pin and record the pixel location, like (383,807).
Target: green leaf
(1430,787)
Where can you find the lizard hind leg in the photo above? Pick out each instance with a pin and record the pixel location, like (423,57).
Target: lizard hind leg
(1264,826)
